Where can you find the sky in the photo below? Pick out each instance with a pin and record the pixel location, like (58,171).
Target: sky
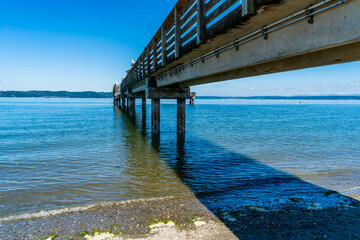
(86,45)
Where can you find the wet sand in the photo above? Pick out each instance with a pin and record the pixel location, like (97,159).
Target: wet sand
(134,219)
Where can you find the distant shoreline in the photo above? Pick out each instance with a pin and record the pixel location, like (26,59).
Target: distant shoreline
(330,97)
(93,94)
(54,94)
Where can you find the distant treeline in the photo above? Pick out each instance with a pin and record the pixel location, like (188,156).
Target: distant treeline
(54,94)
(336,97)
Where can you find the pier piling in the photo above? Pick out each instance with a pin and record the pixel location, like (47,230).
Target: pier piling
(144,110)
(181,113)
(132,107)
(155,116)
(123,103)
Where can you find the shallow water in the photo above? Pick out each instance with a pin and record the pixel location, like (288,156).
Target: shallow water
(58,153)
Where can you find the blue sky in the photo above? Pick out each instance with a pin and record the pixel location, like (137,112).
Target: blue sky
(83,45)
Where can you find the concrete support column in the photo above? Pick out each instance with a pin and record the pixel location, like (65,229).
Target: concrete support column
(127,104)
(123,103)
(132,106)
(181,115)
(144,110)
(155,116)
(192,100)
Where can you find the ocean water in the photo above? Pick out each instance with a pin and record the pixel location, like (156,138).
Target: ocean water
(57,153)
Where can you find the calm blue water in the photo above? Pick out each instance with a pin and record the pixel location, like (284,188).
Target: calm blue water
(57,153)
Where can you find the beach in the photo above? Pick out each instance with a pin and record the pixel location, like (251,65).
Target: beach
(134,219)
(184,217)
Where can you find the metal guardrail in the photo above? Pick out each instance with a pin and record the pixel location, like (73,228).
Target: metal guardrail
(190,23)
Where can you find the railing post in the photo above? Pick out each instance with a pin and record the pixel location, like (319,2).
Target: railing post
(201,22)
(131,75)
(136,72)
(148,62)
(154,54)
(163,45)
(143,66)
(248,7)
(177,18)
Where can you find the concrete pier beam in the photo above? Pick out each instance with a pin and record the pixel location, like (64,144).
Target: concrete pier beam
(181,105)
(155,116)
(132,107)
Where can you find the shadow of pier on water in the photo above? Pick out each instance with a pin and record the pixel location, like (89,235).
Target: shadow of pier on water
(254,200)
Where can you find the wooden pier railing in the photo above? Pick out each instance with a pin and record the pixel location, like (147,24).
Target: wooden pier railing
(190,23)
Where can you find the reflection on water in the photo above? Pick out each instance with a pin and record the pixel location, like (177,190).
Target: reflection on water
(57,153)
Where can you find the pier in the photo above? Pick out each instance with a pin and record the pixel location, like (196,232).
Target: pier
(210,41)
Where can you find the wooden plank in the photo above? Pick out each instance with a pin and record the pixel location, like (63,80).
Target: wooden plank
(201,23)
(171,57)
(170,30)
(177,15)
(211,4)
(159,51)
(188,14)
(171,34)
(189,35)
(222,8)
(189,46)
(170,41)
(189,25)
(186,7)
(230,20)
(172,48)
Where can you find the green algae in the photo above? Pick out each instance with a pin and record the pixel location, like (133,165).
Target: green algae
(48,238)
(114,226)
(96,232)
(84,233)
(154,221)
(195,218)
